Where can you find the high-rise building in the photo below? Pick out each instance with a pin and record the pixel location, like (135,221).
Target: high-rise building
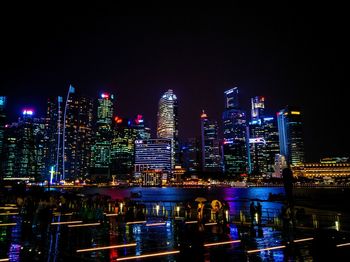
(53,136)
(122,147)
(2,130)
(235,144)
(167,125)
(258,106)
(153,154)
(10,151)
(211,158)
(263,139)
(231,98)
(263,145)
(272,141)
(291,135)
(103,135)
(39,132)
(142,132)
(78,135)
(25,164)
(257,159)
(191,155)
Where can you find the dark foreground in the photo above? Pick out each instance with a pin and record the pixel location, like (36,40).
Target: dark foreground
(42,226)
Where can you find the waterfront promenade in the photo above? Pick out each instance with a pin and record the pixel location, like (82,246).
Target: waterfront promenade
(96,227)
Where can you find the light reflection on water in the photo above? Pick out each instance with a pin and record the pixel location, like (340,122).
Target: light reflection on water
(61,242)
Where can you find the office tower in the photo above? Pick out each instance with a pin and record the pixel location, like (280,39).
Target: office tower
(153,154)
(291,135)
(272,142)
(167,125)
(263,145)
(231,98)
(258,106)
(122,147)
(39,132)
(2,130)
(263,140)
(191,155)
(25,153)
(10,151)
(78,135)
(211,158)
(53,139)
(257,159)
(103,135)
(235,144)
(142,132)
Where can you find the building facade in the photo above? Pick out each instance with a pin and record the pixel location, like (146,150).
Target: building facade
(235,144)
(263,146)
(191,155)
(210,145)
(2,130)
(53,136)
(257,107)
(103,135)
(153,154)
(78,137)
(167,124)
(291,135)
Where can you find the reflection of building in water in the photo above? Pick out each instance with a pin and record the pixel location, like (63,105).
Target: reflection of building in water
(327,167)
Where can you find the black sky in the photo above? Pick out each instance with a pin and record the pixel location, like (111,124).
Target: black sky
(291,55)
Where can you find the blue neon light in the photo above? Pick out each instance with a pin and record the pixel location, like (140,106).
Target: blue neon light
(28,112)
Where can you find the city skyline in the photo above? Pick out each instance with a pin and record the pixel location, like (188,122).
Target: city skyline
(278,55)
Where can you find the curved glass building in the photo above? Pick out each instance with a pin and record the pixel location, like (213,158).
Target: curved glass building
(167,124)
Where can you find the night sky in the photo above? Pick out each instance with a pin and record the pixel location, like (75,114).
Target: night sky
(290,55)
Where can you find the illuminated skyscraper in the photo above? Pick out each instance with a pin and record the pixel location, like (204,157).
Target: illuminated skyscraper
(78,135)
(263,139)
(153,154)
(39,132)
(2,130)
(235,145)
(167,125)
(142,132)
(231,98)
(53,139)
(191,155)
(10,151)
(20,149)
(263,145)
(258,106)
(272,142)
(291,135)
(122,147)
(103,135)
(211,159)
(26,164)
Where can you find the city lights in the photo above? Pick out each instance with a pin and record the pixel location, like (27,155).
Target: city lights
(28,112)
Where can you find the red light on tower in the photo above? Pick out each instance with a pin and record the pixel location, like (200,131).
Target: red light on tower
(138,119)
(105,95)
(118,120)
